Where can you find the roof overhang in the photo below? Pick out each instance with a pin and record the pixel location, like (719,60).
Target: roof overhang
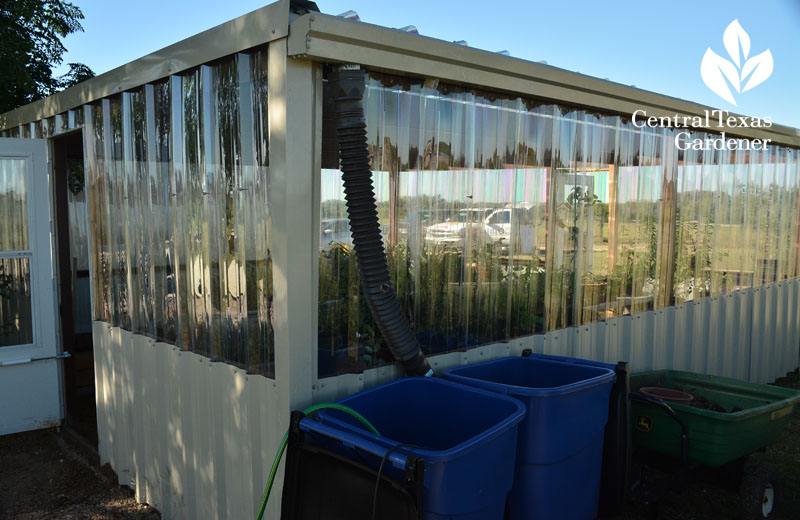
(327,38)
(245,32)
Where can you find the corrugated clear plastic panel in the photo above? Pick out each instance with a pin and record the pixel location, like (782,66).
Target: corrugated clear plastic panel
(141,227)
(537,132)
(623,223)
(132,216)
(179,193)
(687,226)
(212,199)
(118,215)
(793,202)
(565,197)
(631,222)
(705,210)
(783,236)
(739,274)
(767,219)
(650,181)
(722,269)
(194,209)
(97,184)
(231,212)
(592,204)
(504,217)
(255,161)
(157,219)
(167,233)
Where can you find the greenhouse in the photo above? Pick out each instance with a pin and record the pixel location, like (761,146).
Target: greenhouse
(200,217)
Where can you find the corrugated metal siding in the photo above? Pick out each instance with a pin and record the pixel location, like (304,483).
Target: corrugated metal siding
(197,440)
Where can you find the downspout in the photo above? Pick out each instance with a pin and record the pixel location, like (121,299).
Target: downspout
(347,87)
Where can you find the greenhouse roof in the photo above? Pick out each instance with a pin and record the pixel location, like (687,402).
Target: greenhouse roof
(326,38)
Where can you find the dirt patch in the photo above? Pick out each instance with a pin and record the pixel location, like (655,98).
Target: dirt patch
(42,475)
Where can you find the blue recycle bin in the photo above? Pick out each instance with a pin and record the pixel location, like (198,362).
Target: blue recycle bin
(467,438)
(560,442)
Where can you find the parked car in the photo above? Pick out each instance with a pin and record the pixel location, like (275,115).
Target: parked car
(412,228)
(466,226)
(336,232)
(515,226)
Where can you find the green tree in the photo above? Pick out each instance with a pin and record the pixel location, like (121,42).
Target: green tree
(31,34)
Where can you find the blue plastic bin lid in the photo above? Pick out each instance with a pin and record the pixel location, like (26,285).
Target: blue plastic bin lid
(531,377)
(579,361)
(419,387)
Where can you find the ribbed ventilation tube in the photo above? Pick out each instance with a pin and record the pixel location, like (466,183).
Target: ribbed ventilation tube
(347,87)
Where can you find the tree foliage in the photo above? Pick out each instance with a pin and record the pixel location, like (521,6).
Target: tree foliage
(31,34)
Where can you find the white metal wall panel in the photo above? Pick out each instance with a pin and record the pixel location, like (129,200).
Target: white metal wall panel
(158,420)
(715,338)
(591,341)
(140,364)
(684,335)
(779,328)
(664,340)
(119,427)
(619,337)
(782,344)
(203,446)
(702,316)
(789,332)
(767,354)
(194,438)
(758,336)
(793,337)
(642,356)
(727,363)
(745,333)
(559,342)
(102,388)
(264,436)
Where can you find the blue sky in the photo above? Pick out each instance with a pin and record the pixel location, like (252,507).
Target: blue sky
(656,46)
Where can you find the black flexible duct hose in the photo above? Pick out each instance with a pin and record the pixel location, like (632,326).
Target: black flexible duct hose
(347,88)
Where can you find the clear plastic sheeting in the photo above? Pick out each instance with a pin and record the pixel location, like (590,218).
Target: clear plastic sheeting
(505,217)
(178,180)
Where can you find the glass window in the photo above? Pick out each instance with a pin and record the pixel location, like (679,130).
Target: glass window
(16,325)
(13,205)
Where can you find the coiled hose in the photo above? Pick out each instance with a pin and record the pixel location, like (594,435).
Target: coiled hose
(347,88)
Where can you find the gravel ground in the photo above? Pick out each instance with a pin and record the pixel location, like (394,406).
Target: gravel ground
(46,475)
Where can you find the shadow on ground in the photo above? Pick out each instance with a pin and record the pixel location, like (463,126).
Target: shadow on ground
(43,476)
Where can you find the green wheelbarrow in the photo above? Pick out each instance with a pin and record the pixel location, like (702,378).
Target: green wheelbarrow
(704,421)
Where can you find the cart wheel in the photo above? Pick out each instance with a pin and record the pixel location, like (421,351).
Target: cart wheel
(758,489)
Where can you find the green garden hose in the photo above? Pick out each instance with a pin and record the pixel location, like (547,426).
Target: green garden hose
(311,409)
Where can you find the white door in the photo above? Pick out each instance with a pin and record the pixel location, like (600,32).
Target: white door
(30,371)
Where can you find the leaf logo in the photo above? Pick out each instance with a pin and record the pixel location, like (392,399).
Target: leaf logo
(742,73)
